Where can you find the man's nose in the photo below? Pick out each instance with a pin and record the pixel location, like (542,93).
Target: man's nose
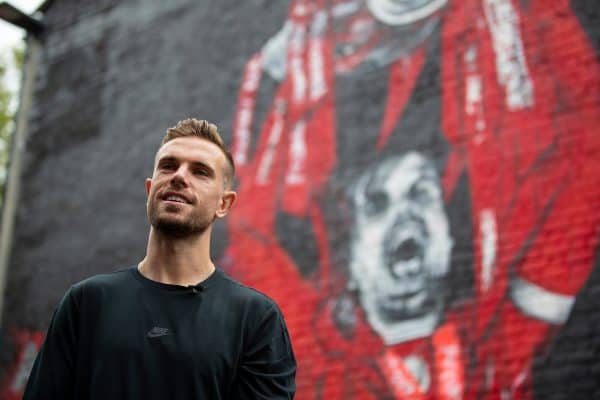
(180,176)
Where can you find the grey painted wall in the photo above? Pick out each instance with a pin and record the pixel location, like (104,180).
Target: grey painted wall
(115,76)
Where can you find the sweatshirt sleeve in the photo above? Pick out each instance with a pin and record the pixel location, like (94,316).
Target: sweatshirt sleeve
(52,375)
(268,366)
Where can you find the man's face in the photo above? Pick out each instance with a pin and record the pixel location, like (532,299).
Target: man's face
(400,244)
(187,190)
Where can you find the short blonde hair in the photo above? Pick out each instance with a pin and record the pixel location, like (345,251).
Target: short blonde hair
(192,127)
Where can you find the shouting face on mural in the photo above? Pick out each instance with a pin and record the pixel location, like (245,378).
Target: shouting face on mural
(400,246)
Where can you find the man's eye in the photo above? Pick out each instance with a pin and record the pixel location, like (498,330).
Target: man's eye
(424,192)
(201,172)
(377,201)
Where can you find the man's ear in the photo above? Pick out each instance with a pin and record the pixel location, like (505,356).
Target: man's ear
(227,201)
(148,185)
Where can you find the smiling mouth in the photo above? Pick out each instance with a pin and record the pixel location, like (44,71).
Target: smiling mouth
(175,198)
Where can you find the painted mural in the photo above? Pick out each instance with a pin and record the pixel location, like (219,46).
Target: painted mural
(413,176)
(418,182)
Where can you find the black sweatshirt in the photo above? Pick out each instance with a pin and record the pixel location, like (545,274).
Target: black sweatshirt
(123,336)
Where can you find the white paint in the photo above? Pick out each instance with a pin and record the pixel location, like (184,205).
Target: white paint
(243,135)
(473,94)
(254,67)
(297,40)
(398,379)
(340,10)
(540,303)
(274,53)
(511,65)
(419,368)
(246,110)
(317,69)
(264,169)
(393,12)
(489,242)
(449,375)
(296,174)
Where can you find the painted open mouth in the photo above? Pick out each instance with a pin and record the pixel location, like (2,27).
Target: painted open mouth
(404,250)
(404,260)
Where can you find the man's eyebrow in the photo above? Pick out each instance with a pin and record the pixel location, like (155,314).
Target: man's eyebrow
(195,164)
(166,158)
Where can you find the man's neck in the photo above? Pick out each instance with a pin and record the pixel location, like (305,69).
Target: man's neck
(177,261)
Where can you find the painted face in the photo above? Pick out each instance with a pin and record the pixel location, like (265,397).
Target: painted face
(400,244)
(403,12)
(187,190)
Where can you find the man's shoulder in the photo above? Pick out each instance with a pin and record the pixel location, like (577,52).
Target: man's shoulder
(112,280)
(240,292)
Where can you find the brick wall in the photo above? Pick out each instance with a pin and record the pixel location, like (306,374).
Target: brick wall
(418,188)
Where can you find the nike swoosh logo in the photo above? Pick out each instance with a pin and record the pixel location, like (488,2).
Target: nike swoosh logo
(157,332)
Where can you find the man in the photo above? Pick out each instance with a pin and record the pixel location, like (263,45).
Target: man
(174,326)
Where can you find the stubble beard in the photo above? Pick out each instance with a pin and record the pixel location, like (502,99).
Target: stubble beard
(179,228)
